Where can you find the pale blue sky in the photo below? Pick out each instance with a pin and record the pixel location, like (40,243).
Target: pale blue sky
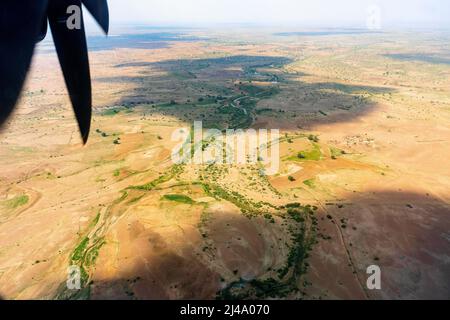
(327,13)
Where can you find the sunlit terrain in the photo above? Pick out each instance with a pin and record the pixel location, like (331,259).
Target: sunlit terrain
(364,173)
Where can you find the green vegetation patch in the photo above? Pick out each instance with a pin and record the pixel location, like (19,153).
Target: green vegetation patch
(95,221)
(77,254)
(238,118)
(176,169)
(310,183)
(335,152)
(183,75)
(303,235)
(208,100)
(116,110)
(262,92)
(84,256)
(16,202)
(248,207)
(179,198)
(314,154)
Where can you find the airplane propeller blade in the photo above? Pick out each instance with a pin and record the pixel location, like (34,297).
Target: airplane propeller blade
(99,10)
(20,22)
(43,31)
(72,52)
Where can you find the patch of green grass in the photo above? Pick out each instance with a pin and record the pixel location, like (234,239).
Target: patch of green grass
(91,254)
(310,183)
(134,200)
(261,92)
(206,101)
(84,256)
(161,179)
(179,198)
(335,152)
(111,111)
(16,202)
(248,207)
(251,90)
(314,154)
(313,138)
(116,173)
(183,75)
(77,254)
(95,220)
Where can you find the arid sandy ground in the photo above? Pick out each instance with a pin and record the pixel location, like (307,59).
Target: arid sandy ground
(364,176)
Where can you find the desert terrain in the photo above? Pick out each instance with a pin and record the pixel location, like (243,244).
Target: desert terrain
(364,173)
